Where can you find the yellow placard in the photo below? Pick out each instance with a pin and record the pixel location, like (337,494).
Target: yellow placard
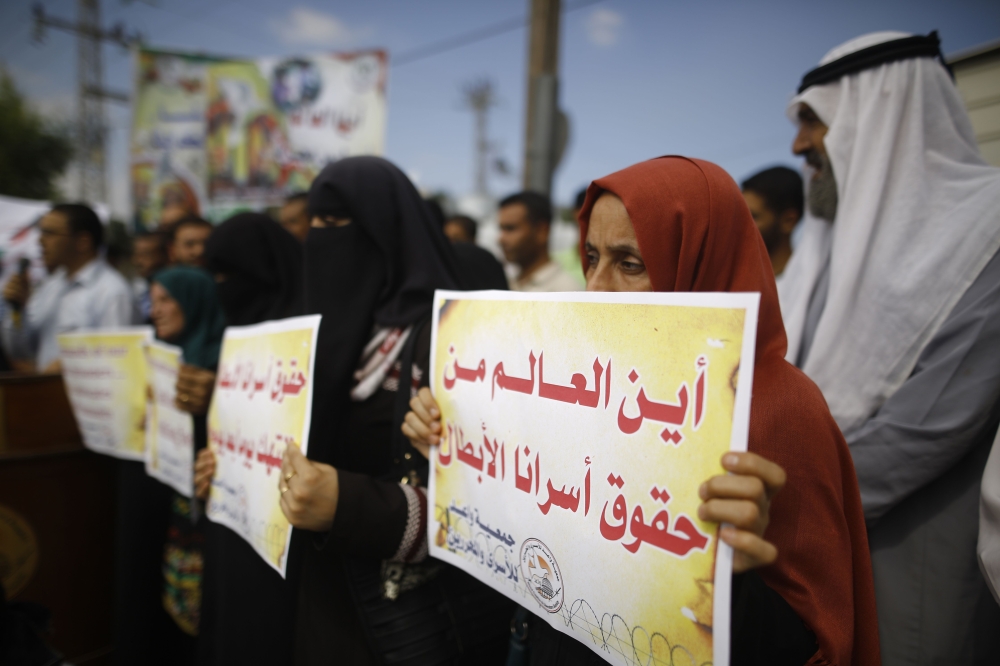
(169,431)
(262,403)
(577,429)
(105,376)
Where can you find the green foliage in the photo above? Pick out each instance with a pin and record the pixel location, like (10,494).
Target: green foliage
(32,152)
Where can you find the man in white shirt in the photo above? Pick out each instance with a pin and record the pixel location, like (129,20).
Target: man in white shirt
(525,221)
(81,292)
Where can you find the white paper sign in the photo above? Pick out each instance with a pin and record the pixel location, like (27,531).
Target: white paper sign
(262,403)
(576,431)
(105,376)
(169,431)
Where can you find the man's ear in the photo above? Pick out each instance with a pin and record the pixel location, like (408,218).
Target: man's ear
(543,230)
(83,244)
(788,219)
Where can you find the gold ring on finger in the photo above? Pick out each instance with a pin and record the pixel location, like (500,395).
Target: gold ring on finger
(288,477)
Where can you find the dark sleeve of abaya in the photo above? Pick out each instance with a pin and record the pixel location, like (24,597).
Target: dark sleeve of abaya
(372,514)
(765,629)
(371,517)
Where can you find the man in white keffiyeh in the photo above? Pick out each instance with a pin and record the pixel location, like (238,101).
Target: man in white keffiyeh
(892,306)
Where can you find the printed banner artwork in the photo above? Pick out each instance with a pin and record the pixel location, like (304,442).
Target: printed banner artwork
(168,133)
(577,429)
(262,403)
(169,431)
(105,376)
(217,134)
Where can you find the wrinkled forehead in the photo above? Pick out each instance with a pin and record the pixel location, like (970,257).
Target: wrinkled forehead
(609,222)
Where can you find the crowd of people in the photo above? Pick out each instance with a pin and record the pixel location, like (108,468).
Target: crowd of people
(855,515)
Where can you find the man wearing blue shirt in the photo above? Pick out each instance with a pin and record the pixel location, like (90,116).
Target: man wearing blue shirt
(81,292)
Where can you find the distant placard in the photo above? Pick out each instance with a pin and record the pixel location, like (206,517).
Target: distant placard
(105,376)
(169,431)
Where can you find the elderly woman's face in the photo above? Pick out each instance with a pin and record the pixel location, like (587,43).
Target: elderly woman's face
(166,313)
(615,263)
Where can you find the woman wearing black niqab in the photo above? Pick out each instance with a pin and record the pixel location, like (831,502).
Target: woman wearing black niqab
(258,268)
(368,594)
(247,614)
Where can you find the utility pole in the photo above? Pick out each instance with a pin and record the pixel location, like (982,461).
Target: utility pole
(547,129)
(480,98)
(90,125)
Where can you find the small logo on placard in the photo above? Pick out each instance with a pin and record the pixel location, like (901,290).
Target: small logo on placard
(541,574)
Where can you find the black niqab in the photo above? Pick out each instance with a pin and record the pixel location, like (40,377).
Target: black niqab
(381,200)
(262,265)
(381,269)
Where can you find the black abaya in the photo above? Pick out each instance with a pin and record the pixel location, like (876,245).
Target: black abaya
(248,609)
(376,266)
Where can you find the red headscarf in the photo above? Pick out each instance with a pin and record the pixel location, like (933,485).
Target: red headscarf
(696,234)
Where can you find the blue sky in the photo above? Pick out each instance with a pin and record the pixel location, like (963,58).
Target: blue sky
(639,79)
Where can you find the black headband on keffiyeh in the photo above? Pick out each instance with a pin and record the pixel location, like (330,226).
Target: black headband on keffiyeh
(917,46)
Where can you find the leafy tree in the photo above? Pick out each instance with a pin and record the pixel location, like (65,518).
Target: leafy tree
(33,153)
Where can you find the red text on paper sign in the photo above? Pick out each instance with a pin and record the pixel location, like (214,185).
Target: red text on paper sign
(678,539)
(272,380)
(681,539)
(264,450)
(673,414)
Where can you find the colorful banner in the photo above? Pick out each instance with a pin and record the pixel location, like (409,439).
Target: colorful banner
(105,376)
(262,403)
(169,431)
(222,134)
(168,134)
(577,429)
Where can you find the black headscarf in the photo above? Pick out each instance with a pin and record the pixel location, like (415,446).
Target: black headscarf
(262,264)
(479,267)
(381,269)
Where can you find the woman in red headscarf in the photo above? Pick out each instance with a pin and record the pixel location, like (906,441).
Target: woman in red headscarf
(802,585)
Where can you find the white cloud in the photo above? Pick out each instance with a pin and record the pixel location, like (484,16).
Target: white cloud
(304,25)
(604,27)
(59,108)
(45,94)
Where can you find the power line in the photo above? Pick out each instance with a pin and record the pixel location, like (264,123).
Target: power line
(473,36)
(198,18)
(90,89)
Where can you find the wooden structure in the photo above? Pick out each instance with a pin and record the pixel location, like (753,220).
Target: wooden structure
(977,75)
(58,500)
